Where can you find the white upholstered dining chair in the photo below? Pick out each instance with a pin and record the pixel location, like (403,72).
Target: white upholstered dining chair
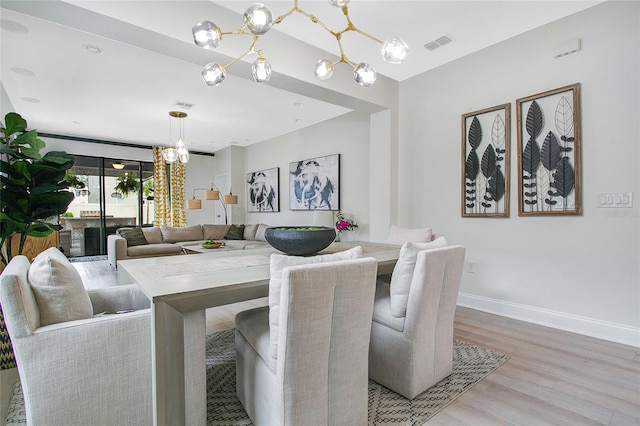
(77,368)
(315,372)
(411,346)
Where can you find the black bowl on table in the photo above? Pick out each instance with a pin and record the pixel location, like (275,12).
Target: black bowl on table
(300,240)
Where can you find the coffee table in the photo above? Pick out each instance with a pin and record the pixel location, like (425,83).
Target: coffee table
(180,288)
(199,249)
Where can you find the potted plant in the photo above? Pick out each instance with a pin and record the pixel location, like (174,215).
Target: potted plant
(33,185)
(127,184)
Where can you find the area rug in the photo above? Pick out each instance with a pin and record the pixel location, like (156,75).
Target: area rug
(471,364)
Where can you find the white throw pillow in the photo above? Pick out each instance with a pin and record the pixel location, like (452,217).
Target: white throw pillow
(281,261)
(398,235)
(262,228)
(403,273)
(58,289)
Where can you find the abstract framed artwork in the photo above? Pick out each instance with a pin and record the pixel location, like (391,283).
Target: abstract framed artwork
(314,184)
(263,191)
(549,152)
(485,162)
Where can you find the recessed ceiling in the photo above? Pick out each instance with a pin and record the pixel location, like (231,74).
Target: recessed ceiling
(53,77)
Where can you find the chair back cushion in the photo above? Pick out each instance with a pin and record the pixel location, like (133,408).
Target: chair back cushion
(398,235)
(403,273)
(277,264)
(58,289)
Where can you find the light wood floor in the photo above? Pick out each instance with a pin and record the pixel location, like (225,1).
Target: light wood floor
(552,378)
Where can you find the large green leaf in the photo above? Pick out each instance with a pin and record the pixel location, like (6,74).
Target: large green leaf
(61,159)
(29,144)
(14,123)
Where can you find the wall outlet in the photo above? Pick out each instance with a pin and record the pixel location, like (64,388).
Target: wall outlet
(469,266)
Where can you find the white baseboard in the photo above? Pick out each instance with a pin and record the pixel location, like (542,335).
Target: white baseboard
(576,324)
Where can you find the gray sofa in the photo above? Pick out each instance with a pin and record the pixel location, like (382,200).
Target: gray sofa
(168,240)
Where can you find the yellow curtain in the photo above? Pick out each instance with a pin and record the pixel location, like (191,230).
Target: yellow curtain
(161,200)
(178,172)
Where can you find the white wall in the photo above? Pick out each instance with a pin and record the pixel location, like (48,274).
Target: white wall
(579,273)
(348,136)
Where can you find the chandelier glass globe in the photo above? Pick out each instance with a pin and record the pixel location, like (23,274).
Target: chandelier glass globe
(258,18)
(323,69)
(170,155)
(261,70)
(394,50)
(206,34)
(213,74)
(338,3)
(364,74)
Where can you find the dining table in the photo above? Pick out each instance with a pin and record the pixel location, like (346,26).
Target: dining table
(180,289)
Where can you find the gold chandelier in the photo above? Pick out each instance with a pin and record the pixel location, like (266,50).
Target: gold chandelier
(180,152)
(258,19)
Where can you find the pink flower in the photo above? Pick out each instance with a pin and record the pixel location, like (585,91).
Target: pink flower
(342,225)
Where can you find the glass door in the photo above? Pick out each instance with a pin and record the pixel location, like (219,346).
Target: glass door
(110,194)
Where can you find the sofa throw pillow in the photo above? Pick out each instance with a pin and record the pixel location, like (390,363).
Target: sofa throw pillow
(214,232)
(250,232)
(152,234)
(58,289)
(262,228)
(280,261)
(235,232)
(398,235)
(403,273)
(134,236)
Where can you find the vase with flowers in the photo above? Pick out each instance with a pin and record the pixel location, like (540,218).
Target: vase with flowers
(344,224)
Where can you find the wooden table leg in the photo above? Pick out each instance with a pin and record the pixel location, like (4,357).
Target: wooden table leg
(179,387)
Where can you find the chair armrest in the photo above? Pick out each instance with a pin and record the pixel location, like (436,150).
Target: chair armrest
(116,249)
(119,298)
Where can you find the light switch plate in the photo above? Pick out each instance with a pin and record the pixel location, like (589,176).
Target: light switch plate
(615,200)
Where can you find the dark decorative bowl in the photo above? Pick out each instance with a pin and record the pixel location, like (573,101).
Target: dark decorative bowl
(300,240)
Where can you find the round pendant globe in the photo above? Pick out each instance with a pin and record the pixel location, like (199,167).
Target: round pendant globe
(323,69)
(339,3)
(206,34)
(261,70)
(394,50)
(170,155)
(364,74)
(213,74)
(258,18)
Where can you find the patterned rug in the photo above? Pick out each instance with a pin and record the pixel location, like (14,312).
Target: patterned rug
(471,364)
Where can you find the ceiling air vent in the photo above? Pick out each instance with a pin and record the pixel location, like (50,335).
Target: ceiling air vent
(183,105)
(441,41)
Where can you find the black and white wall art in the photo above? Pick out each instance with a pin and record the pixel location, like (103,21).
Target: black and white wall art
(485,162)
(549,153)
(263,191)
(314,184)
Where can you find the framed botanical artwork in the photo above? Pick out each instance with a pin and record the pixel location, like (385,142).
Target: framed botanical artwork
(486,145)
(263,191)
(549,152)
(314,184)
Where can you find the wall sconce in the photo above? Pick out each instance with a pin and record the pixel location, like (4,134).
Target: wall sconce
(212,194)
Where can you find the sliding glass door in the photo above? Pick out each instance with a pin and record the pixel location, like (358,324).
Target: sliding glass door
(110,194)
